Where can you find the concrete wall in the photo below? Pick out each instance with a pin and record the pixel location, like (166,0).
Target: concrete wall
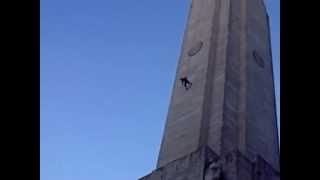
(261,125)
(190,167)
(196,166)
(183,125)
(231,104)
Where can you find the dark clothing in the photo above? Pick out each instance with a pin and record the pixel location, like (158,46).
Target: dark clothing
(186,83)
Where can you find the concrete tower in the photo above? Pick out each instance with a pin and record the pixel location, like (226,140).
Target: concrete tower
(222,125)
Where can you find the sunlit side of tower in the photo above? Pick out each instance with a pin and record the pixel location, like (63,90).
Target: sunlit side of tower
(224,126)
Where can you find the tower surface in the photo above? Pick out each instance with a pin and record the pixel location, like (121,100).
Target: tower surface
(223,126)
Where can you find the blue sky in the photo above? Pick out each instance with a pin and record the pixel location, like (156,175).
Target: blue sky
(107,69)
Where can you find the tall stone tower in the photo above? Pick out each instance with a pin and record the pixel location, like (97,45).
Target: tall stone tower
(222,125)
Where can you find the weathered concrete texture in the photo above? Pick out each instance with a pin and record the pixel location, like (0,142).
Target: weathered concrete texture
(205,164)
(184,120)
(226,54)
(261,124)
(188,167)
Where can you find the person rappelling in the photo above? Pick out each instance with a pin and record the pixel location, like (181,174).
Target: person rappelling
(186,83)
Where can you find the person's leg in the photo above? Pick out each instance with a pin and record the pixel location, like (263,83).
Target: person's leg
(184,83)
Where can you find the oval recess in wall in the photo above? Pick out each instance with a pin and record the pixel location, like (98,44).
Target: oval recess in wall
(195,49)
(258,59)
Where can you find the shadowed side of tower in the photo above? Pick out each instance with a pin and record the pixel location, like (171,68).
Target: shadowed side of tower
(224,125)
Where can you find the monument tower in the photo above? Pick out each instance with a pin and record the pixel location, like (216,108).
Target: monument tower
(221,123)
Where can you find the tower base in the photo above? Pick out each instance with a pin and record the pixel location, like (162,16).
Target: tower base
(204,164)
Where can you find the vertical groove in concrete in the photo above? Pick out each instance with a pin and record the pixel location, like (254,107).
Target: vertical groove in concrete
(243,85)
(208,88)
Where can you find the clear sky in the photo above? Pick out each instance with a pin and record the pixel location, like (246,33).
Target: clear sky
(107,70)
